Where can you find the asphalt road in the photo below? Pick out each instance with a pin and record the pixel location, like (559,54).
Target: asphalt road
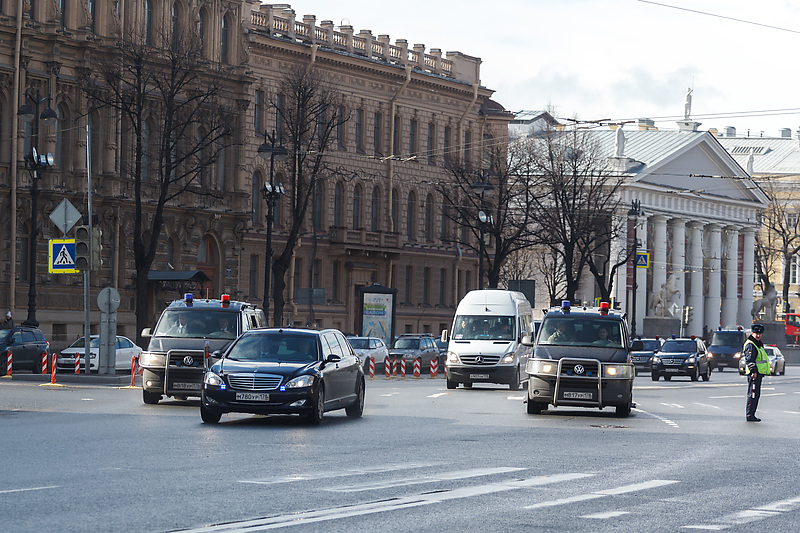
(95,458)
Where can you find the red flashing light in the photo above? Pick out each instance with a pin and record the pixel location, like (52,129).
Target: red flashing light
(693,337)
(658,337)
(604,308)
(226,300)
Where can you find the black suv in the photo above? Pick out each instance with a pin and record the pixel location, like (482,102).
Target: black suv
(174,361)
(26,345)
(410,346)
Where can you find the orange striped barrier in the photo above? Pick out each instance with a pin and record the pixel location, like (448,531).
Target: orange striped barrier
(435,367)
(371,366)
(394,367)
(133,371)
(53,371)
(402,367)
(77,363)
(417,367)
(387,367)
(9,361)
(44,362)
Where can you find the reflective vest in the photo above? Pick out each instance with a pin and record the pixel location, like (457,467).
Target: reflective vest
(762,360)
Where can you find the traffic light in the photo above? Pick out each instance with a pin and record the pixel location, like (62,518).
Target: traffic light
(83,248)
(97,248)
(687,314)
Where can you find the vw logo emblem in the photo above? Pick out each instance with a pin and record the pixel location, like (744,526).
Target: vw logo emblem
(579,369)
(188,360)
(479,360)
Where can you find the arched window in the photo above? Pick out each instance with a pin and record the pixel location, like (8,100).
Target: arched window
(375,210)
(61,155)
(176,25)
(224,57)
(411,207)
(357,196)
(202,27)
(256,198)
(395,210)
(319,198)
(148,22)
(445,219)
(338,203)
(429,218)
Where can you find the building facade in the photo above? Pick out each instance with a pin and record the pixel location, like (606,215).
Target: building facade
(409,109)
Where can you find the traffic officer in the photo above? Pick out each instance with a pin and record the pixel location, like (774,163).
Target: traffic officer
(757,366)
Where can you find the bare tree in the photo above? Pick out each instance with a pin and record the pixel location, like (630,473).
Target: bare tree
(311,115)
(574,205)
(779,245)
(175,121)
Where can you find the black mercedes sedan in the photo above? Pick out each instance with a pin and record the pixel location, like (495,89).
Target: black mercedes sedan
(284,371)
(681,357)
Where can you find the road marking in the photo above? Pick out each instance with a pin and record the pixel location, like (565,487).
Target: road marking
(382,506)
(605,516)
(655,483)
(708,405)
(427,478)
(750,515)
(515,398)
(724,397)
(335,474)
(10,491)
(438,394)
(774,394)
(676,405)
(665,420)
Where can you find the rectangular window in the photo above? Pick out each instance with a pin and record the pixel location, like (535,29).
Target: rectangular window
(340,128)
(468,280)
(408,284)
(793,271)
(446,151)
(360,130)
(298,276)
(431,143)
(279,107)
(377,120)
(467,147)
(412,137)
(336,273)
(426,285)
(315,269)
(396,140)
(443,286)
(258,111)
(253,276)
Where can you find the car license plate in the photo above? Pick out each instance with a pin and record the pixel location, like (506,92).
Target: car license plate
(252,396)
(568,395)
(479,376)
(673,369)
(179,385)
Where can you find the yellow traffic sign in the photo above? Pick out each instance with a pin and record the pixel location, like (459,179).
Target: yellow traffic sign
(61,256)
(643,260)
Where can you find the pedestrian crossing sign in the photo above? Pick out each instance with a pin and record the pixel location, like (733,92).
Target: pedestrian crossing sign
(61,256)
(643,260)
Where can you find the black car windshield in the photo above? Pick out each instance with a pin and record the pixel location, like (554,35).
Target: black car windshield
(650,345)
(727,338)
(581,331)
(679,346)
(275,348)
(483,327)
(359,343)
(198,322)
(405,343)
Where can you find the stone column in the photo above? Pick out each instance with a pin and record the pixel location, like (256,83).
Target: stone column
(695,298)
(678,263)
(713,292)
(659,260)
(748,275)
(730,301)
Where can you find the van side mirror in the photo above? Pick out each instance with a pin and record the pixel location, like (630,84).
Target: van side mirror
(146,332)
(637,346)
(527,340)
(444,335)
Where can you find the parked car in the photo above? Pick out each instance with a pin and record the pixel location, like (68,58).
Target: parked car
(125,350)
(643,359)
(367,347)
(409,346)
(284,371)
(777,363)
(26,345)
(682,357)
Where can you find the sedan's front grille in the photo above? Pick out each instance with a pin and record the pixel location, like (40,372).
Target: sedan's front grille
(254,381)
(673,361)
(480,359)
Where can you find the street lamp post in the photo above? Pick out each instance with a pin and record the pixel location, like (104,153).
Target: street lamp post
(35,163)
(269,150)
(481,187)
(633,214)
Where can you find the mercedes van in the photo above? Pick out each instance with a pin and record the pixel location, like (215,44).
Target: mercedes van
(485,345)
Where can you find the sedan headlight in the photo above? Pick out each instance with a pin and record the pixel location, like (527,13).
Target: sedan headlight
(452,357)
(508,359)
(212,378)
(301,382)
(539,366)
(656,359)
(617,371)
(691,360)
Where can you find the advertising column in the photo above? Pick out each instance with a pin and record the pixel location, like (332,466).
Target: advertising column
(377,312)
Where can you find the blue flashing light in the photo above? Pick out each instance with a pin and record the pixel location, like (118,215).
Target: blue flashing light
(283,388)
(189,299)
(223,387)
(565,305)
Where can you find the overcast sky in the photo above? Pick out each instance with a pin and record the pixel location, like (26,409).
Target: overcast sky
(611,59)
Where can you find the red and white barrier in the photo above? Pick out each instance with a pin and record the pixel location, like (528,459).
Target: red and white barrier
(53,371)
(435,367)
(133,371)
(394,367)
(44,362)
(9,360)
(371,366)
(387,367)
(402,367)
(417,367)
(77,363)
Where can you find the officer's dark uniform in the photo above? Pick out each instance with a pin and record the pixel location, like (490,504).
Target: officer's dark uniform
(757,366)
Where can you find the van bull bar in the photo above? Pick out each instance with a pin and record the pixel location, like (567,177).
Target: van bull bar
(579,382)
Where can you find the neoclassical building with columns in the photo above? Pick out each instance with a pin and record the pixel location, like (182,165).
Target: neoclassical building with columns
(698,217)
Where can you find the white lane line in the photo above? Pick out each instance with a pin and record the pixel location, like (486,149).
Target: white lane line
(750,515)
(606,516)
(10,491)
(707,405)
(667,421)
(438,394)
(676,405)
(335,473)
(393,504)
(520,398)
(724,397)
(652,484)
(774,394)
(427,478)
(791,412)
